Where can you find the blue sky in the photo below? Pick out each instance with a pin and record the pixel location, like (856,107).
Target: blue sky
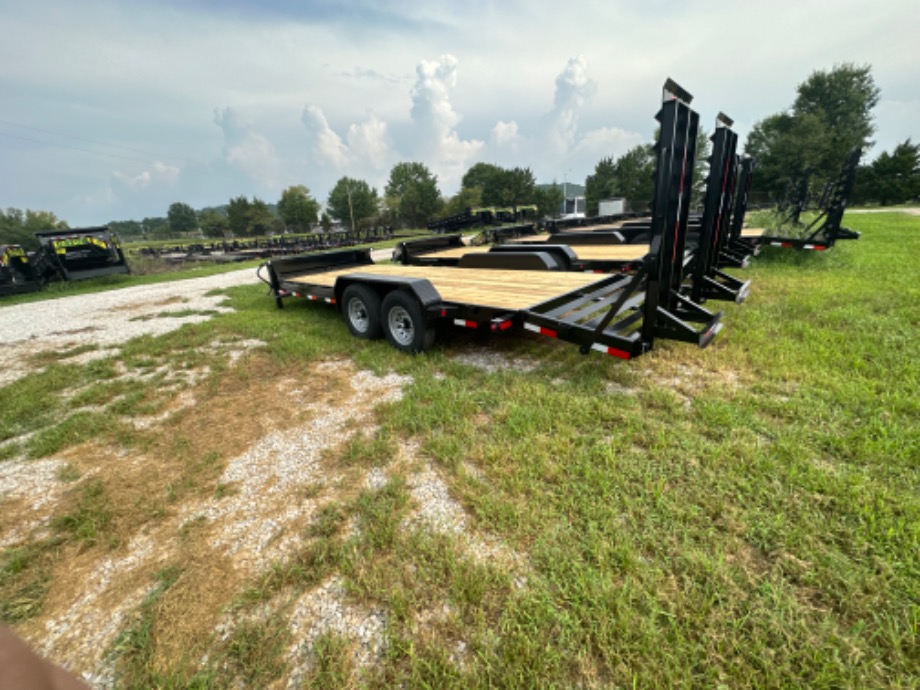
(113,110)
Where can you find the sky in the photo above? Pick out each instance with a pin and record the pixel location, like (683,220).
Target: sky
(114,109)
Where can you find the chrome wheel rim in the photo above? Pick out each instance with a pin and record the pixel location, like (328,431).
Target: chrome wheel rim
(401,327)
(357,314)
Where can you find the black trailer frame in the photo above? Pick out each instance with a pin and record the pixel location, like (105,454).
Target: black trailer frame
(17,274)
(79,253)
(827,226)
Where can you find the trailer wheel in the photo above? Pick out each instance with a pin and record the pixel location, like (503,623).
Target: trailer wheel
(361,308)
(404,323)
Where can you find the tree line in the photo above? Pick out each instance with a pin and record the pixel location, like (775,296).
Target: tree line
(803,146)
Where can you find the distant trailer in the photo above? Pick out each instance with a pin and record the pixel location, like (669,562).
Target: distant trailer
(449,250)
(17,275)
(611,207)
(79,253)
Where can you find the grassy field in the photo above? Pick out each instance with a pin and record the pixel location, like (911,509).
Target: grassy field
(742,516)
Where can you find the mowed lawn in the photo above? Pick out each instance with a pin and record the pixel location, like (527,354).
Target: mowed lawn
(747,515)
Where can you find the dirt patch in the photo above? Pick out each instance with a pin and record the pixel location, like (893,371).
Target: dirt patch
(189,499)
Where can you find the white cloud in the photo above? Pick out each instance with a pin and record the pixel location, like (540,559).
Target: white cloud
(505,136)
(327,144)
(246,149)
(438,143)
(370,141)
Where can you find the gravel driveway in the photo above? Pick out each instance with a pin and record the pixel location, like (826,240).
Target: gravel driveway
(106,319)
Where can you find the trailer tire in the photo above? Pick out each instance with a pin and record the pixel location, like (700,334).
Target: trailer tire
(404,324)
(361,309)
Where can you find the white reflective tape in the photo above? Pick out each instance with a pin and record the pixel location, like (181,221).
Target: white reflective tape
(531,327)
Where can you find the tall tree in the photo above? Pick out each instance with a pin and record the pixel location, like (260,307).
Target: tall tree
(298,209)
(412,191)
(238,215)
(465,199)
(831,114)
(182,217)
(488,177)
(517,187)
(213,223)
(892,178)
(19,227)
(599,185)
(261,220)
(548,199)
(352,201)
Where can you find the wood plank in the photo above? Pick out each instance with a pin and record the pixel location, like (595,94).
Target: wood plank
(513,290)
(753,232)
(586,252)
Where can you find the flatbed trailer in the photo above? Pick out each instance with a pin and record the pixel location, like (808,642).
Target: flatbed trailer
(824,231)
(450,250)
(17,275)
(618,314)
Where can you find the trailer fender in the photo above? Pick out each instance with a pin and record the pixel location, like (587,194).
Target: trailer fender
(421,289)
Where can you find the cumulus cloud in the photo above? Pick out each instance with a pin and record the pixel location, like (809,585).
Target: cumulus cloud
(370,141)
(505,136)
(574,88)
(366,145)
(437,141)
(246,149)
(158,174)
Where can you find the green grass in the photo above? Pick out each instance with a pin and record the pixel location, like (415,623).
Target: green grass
(742,516)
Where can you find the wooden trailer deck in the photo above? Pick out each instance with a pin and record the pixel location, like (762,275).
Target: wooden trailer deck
(752,233)
(585,252)
(512,290)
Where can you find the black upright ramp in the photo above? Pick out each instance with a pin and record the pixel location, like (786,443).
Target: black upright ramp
(668,313)
(707,281)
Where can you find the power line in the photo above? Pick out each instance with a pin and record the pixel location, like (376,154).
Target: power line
(91,141)
(72,148)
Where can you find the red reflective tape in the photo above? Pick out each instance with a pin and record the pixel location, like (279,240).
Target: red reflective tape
(548,332)
(330,300)
(443,313)
(505,325)
(820,249)
(465,324)
(785,244)
(612,351)
(296,294)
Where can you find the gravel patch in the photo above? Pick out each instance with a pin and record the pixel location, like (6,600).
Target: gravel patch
(106,319)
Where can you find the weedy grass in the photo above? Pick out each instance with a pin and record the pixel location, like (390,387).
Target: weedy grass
(744,515)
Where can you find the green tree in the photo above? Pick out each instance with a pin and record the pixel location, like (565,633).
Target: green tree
(700,167)
(213,223)
(462,201)
(548,200)
(892,178)
(325,222)
(238,216)
(156,227)
(352,201)
(599,185)
(19,227)
(488,178)
(182,217)
(412,192)
(298,209)
(630,176)
(517,187)
(831,114)
(262,221)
